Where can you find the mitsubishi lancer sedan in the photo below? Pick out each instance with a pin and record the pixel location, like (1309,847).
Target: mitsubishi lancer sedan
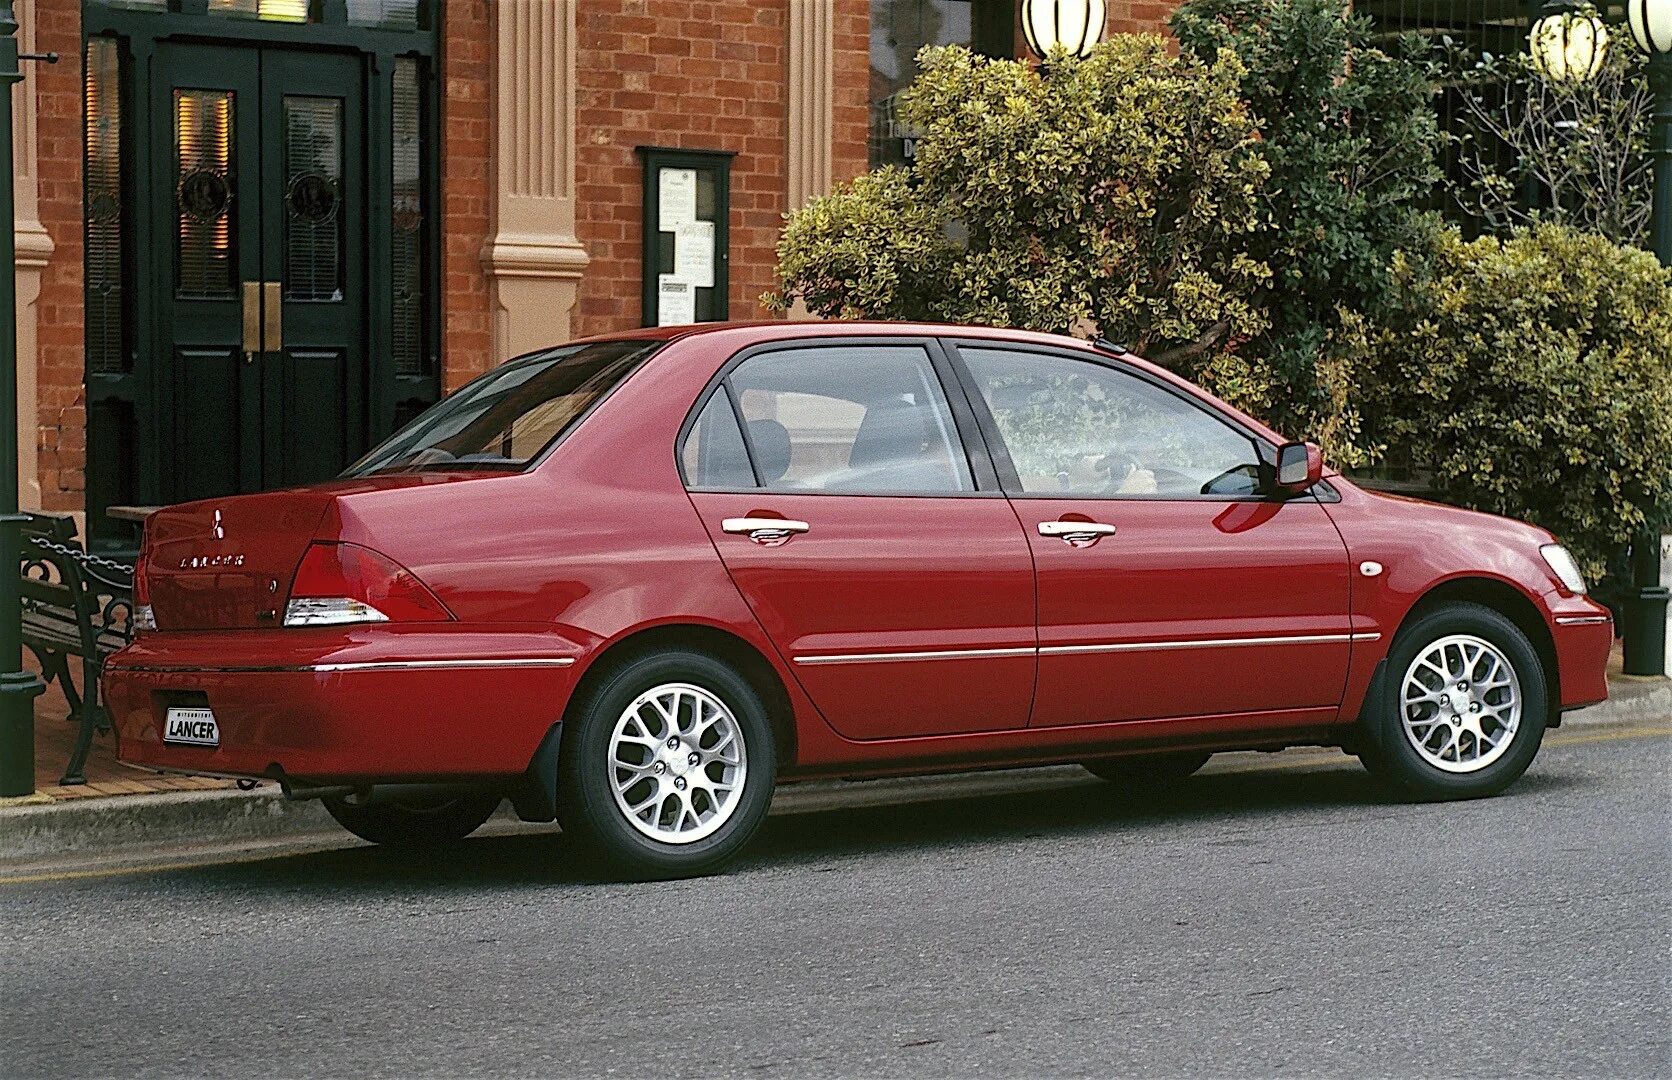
(633,582)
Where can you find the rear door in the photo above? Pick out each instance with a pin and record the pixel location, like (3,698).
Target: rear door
(1168,586)
(874,548)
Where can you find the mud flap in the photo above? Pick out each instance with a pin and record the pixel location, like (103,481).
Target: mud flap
(534,796)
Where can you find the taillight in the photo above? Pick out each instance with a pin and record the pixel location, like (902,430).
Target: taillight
(144,618)
(347,583)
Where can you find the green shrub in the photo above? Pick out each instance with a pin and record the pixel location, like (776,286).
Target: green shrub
(1532,377)
(1348,129)
(1116,190)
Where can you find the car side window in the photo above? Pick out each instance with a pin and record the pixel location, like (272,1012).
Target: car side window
(862,419)
(1077,427)
(713,455)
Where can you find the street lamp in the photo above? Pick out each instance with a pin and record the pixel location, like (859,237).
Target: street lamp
(1569,46)
(1645,609)
(1076,25)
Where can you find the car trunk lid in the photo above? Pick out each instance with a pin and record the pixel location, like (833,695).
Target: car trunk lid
(224,564)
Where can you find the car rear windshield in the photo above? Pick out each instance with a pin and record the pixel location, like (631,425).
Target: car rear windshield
(503,420)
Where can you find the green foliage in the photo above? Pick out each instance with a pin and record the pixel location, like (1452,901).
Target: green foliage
(1348,130)
(1119,190)
(1532,377)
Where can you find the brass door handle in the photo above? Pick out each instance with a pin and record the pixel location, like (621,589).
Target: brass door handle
(252,320)
(272,317)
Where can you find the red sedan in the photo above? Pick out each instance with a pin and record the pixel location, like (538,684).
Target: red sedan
(633,582)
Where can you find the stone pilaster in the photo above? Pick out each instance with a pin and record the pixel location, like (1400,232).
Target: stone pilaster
(34,250)
(533,260)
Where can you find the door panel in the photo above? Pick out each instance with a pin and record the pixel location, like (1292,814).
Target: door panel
(1180,572)
(901,614)
(206,191)
(878,575)
(1167,587)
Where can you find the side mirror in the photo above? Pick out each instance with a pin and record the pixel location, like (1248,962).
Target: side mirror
(1299,467)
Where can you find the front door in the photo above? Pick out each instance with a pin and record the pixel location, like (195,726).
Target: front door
(1169,588)
(260,234)
(899,593)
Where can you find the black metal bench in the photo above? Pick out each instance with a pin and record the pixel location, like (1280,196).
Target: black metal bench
(74,605)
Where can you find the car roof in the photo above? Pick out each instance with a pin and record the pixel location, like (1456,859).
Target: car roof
(772,329)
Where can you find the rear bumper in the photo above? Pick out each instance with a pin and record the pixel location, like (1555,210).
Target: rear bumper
(1583,632)
(362,706)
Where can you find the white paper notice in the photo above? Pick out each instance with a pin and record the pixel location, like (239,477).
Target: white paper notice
(676,203)
(693,253)
(676,301)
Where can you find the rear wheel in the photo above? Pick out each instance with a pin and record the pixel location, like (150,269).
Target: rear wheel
(1148,770)
(1463,706)
(668,765)
(416,822)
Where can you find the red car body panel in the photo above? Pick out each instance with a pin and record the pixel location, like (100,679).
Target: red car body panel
(889,578)
(600,542)
(1183,572)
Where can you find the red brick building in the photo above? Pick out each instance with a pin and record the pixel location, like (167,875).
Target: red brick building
(254,236)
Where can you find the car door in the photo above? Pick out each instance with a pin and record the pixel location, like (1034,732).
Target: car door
(878,554)
(1168,585)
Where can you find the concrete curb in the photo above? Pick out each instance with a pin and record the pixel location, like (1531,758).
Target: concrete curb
(77,829)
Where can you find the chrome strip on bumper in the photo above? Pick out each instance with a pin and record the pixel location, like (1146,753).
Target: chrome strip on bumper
(1060,650)
(362,665)
(1583,620)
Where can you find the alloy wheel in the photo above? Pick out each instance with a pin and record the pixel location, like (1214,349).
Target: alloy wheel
(677,763)
(1460,703)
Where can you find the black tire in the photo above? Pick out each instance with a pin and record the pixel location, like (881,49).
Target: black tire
(1148,771)
(586,795)
(1389,753)
(416,823)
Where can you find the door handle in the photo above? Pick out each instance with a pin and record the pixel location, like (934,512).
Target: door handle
(272,317)
(252,320)
(765,530)
(1077,533)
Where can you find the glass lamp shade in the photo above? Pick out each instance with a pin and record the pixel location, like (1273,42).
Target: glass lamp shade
(1651,24)
(1569,46)
(1076,25)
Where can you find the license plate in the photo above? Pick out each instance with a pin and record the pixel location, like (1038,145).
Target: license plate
(193,727)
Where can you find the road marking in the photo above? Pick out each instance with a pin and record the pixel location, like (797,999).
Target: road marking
(1311,759)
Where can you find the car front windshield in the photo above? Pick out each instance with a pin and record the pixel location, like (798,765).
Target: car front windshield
(504,419)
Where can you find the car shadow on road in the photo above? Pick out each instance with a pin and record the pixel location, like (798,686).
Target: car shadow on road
(1057,809)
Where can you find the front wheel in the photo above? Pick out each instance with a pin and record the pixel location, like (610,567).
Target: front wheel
(417,822)
(1462,709)
(667,766)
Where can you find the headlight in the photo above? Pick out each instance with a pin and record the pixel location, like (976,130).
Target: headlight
(1562,565)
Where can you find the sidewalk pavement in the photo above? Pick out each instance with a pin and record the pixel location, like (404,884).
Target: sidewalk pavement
(128,811)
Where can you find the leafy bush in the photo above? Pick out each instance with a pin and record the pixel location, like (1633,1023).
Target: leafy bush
(1531,376)
(1348,129)
(1117,190)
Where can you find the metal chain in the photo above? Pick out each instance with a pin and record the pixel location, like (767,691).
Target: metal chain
(85,558)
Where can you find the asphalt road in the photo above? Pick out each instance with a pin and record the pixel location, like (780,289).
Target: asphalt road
(1273,916)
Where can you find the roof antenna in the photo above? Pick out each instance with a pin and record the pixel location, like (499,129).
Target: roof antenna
(1108,346)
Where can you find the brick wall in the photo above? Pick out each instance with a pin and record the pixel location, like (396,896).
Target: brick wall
(466,68)
(1139,16)
(680,73)
(62,365)
(851,127)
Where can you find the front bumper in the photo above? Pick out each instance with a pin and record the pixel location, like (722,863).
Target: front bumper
(1583,633)
(357,706)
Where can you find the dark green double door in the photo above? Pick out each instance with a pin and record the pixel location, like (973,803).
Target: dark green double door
(261,209)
